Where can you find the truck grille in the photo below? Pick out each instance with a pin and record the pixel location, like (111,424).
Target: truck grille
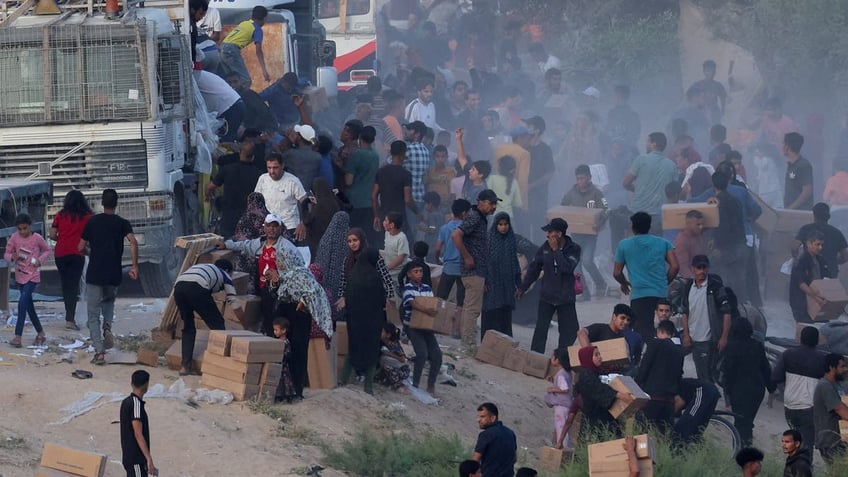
(85,166)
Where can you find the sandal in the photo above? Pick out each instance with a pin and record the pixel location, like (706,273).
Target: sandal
(40,339)
(16,342)
(82,374)
(99,359)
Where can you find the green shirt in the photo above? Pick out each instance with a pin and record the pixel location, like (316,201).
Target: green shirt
(363,164)
(653,172)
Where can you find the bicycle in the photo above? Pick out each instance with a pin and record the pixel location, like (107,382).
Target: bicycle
(722,433)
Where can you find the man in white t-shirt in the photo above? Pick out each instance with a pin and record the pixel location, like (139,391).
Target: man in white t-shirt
(422,108)
(209,34)
(221,98)
(284,195)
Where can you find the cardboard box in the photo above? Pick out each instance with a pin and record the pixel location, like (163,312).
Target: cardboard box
(550,459)
(230,369)
(47,472)
(267,392)
(792,220)
(271,374)
(251,305)
(147,357)
(215,255)
(837,300)
(220,340)
(174,355)
(442,323)
(515,359)
(241,282)
(321,365)
(843,429)
(494,347)
(581,220)
(72,461)
(257,349)
(393,312)
(240,391)
(674,215)
(609,459)
(340,337)
(615,353)
(537,364)
(767,221)
(622,410)
(818,326)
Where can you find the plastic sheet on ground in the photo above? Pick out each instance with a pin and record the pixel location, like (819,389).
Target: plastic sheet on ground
(417,393)
(178,390)
(76,344)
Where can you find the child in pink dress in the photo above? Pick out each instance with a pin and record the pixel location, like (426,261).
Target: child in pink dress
(27,250)
(559,398)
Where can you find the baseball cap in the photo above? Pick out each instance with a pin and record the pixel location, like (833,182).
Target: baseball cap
(519,131)
(271,218)
(537,122)
(488,194)
(556,224)
(417,126)
(700,261)
(306,131)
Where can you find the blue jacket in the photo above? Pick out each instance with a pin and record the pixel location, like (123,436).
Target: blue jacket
(751,210)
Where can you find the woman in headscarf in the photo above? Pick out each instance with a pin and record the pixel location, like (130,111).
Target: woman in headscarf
(303,301)
(317,272)
(365,287)
(597,397)
(745,372)
(250,227)
(321,210)
(502,279)
(333,250)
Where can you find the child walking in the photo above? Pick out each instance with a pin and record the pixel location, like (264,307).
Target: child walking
(559,398)
(393,366)
(396,245)
(27,250)
(285,390)
(423,341)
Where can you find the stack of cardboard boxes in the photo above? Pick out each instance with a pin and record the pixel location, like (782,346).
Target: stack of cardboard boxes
(244,363)
(174,355)
(609,459)
(501,350)
(60,461)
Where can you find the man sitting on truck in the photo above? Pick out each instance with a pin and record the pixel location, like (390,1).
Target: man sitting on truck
(241,36)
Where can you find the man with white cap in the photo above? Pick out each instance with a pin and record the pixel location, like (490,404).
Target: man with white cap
(284,195)
(301,160)
(264,250)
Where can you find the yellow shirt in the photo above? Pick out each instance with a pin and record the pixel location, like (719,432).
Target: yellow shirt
(244,33)
(522,165)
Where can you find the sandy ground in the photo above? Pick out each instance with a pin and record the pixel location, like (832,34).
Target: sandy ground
(230,439)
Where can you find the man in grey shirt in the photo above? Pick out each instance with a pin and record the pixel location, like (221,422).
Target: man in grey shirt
(706,318)
(648,176)
(828,408)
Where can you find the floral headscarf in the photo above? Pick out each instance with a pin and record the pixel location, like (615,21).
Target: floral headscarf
(250,224)
(297,284)
(332,250)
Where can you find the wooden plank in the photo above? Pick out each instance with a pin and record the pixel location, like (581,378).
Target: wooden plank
(23,8)
(195,245)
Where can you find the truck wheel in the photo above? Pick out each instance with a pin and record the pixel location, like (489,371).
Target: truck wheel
(157,279)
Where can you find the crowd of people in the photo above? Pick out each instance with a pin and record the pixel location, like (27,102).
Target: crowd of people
(453,158)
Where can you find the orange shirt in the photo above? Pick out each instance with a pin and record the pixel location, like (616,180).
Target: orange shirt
(836,189)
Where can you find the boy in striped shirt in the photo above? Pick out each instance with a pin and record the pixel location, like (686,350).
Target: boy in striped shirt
(423,341)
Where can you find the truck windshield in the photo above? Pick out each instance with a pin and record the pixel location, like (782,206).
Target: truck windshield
(70,74)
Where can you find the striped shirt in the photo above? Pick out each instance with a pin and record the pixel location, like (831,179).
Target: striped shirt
(410,291)
(211,278)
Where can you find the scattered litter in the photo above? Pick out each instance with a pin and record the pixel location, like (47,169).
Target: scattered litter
(422,396)
(69,358)
(121,357)
(138,305)
(90,349)
(82,374)
(213,396)
(397,406)
(12,321)
(76,344)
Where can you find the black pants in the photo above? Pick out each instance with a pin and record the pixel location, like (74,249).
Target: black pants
(566,319)
(445,285)
(426,350)
(268,304)
(300,326)
(745,405)
(802,421)
(660,414)
(498,319)
(642,320)
(70,273)
(190,298)
(136,470)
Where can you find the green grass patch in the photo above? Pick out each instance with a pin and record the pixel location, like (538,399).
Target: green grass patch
(299,435)
(131,343)
(276,412)
(13,442)
(427,455)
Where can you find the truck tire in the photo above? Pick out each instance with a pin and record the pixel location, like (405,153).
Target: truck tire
(157,279)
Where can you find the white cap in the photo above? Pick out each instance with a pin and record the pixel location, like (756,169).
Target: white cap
(593,92)
(306,131)
(271,218)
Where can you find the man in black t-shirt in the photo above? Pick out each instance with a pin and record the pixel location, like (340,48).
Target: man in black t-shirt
(239,180)
(496,444)
(834,249)
(393,189)
(798,191)
(103,241)
(541,171)
(620,321)
(135,430)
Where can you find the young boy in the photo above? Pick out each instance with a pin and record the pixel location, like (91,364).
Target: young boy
(448,255)
(242,35)
(285,389)
(419,256)
(431,219)
(396,245)
(474,182)
(423,341)
(659,375)
(586,194)
(438,178)
(135,429)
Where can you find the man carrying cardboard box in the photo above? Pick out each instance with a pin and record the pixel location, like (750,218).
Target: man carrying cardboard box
(193,292)
(423,341)
(808,267)
(135,429)
(834,248)
(586,194)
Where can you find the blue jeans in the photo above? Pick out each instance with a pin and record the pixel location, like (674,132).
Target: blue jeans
(587,262)
(100,299)
(26,305)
